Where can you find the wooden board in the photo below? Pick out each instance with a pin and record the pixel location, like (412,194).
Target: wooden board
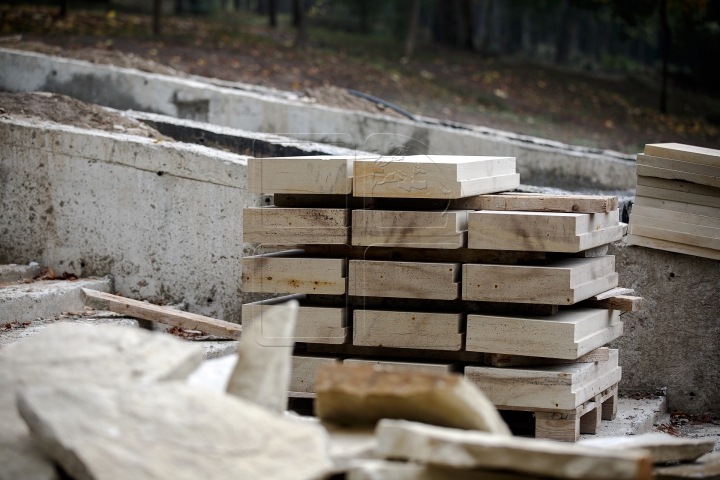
(423,330)
(314,324)
(551,387)
(569,334)
(433,176)
(296,226)
(601,354)
(669,246)
(638,228)
(369,278)
(676,206)
(165,315)
(612,293)
(459,255)
(680,226)
(321,174)
(436,368)
(412,229)
(649,166)
(289,272)
(674,216)
(684,153)
(542,231)
(304,371)
(539,202)
(621,303)
(678,191)
(560,282)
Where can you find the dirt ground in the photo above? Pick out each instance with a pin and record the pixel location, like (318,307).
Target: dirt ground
(601,110)
(69,111)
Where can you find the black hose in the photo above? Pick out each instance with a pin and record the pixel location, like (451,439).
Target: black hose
(383,102)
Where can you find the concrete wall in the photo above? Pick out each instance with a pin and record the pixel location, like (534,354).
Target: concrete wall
(540,162)
(674,342)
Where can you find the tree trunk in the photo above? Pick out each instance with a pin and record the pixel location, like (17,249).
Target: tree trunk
(236,5)
(64,8)
(465,24)
(487,22)
(412,28)
(272,12)
(157,11)
(565,34)
(301,34)
(665,54)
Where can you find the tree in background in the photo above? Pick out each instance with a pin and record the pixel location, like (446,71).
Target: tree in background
(157,12)
(300,22)
(413,25)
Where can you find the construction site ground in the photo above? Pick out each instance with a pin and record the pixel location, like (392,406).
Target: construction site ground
(610,111)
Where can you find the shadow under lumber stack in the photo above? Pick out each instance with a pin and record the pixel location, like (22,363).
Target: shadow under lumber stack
(417,262)
(677,202)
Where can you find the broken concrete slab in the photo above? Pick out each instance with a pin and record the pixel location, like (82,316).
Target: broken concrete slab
(68,353)
(262,373)
(664,448)
(168,431)
(15,273)
(399,439)
(388,470)
(46,298)
(360,394)
(634,417)
(707,468)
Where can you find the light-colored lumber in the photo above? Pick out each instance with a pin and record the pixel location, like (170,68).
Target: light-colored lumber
(288,272)
(433,176)
(674,174)
(436,368)
(601,354)
(663,447)
(612,293)
(610,406)
(362,394)
(675,216)
(305,369)
(321,174)
(538,202)
(558,387)
(676,226)
(643,230)
(568,334)
(621,303)
(560,282)
(677,165)
(590,422)
(678,191)
(432,331)
(684,153)
(706,468)
(422,229)
(156,313)
(542,231)
(387,470)
(669,246)
(472,450)
(296,226)
(314,324)
(681,206)
(439,281)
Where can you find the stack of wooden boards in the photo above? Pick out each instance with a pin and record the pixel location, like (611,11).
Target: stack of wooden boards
(416,263)
(677,204)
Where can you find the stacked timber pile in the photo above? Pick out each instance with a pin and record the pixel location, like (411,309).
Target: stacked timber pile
(414,262)
(677,204)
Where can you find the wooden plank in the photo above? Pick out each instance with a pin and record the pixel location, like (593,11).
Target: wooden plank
(674,226)
(460,255)
(314,324)
(647,171)
(676,206)
(305,369)
(168,316)
(678,166)
(678,191)
(622,303)
(560,387)
(560,282)
(296,226)
(601,354)
(673,236)
(288,272)
(404,354)
(705,468)
(433,176)
(321,174)
(569,334)
(612,293)
(610,406)
(684,153)
(590,422)
(435,368)
(670,246)
(542,231)
(422,330)
(561,427)
(369,278)
(538,202)
(299,200)
(392,228)
(674,216)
